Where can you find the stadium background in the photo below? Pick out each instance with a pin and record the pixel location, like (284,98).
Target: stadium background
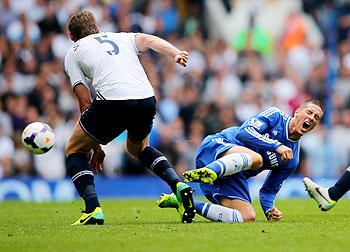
(245,55)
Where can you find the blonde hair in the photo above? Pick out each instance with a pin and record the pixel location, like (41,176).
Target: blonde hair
(82,24)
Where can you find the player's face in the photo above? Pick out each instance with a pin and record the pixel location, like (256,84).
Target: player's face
(306,118)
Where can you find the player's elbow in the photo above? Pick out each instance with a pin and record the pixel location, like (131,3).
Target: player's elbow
(84,105)
(144,41)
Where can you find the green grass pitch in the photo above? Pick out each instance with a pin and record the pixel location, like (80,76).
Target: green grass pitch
(138,225)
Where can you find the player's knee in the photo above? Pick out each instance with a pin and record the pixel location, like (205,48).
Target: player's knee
(70,149)
(135,152)
(74,147)
(257,161)
(135,148)
(249,216)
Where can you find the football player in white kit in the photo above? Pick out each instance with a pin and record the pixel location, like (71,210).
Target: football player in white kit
(125,101)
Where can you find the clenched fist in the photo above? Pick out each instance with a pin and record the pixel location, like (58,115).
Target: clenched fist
(181,58)
(285,152)
(274,214)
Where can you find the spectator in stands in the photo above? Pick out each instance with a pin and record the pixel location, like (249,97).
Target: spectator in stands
(218,82)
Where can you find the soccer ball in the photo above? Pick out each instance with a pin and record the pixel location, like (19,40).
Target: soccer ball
(38,138)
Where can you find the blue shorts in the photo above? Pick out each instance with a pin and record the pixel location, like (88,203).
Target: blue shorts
(234,186)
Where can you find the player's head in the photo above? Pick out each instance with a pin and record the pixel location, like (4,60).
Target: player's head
(307,116)
(82,24)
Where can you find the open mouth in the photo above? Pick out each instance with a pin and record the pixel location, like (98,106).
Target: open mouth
(306,125)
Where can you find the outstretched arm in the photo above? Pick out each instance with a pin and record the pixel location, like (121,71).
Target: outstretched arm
(269,190)
(145,41)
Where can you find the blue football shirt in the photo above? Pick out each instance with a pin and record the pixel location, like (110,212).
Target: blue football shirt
(263,133)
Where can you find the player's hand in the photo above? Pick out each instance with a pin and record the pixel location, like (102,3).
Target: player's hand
(181,58)
(285,152)
(274,214)
(97,159)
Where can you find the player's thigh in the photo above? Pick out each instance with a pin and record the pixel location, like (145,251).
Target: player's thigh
(140,124)
(231,191)
(79,141)
(211,148)
(257,158)
(104,120)
(246,209)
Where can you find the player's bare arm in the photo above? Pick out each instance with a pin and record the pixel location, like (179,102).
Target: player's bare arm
(83,95)
(146,41)
(285,152)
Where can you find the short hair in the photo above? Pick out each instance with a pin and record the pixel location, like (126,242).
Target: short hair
(82,24)
(313,101)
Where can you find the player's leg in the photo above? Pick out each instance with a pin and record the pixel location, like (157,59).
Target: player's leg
(229,162)
(244,208)
(341,187)
(138,146)
(213,212)
(326,198)
(77,148)
(158,163)
(95,127)
(230,200)
(319,194)
(153,160)
(230,197)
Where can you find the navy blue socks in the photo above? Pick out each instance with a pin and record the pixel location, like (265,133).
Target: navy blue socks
(341,187)
(83,178)
(157,162)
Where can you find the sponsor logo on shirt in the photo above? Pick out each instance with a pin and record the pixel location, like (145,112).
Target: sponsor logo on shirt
(254,122)
(273,159)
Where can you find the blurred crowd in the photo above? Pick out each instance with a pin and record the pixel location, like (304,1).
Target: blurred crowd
(225,81)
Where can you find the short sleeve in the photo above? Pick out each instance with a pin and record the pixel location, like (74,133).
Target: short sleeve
(132,37)
(73,70)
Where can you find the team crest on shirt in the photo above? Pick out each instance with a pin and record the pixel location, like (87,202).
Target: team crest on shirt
(255,123)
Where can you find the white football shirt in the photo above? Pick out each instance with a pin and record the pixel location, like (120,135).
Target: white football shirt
(111,61)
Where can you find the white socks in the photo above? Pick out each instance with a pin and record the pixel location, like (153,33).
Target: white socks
(218,213)
(231,163)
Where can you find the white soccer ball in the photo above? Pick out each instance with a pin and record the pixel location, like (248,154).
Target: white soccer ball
(38,138)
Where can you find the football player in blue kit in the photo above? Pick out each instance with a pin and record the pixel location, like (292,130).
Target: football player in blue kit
(226,160)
